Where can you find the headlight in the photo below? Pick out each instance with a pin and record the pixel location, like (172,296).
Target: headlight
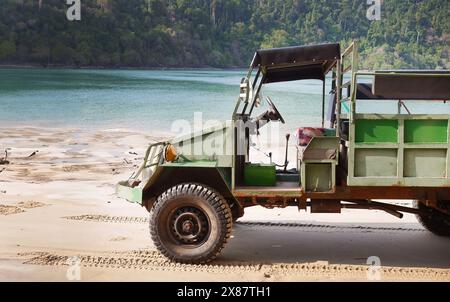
(170,153)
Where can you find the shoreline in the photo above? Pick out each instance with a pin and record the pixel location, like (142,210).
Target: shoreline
(42,125)
(74,67)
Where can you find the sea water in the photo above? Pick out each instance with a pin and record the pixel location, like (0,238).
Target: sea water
(152,100)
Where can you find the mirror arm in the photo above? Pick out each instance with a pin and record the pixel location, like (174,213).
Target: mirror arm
(256,78)
(256,95)
(252,88)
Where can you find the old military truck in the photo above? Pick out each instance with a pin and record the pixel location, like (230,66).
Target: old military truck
(194,195)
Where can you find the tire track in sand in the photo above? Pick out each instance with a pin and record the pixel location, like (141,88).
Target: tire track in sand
(137,219)
(154,261)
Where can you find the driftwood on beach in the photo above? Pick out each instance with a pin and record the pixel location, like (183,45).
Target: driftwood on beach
(4,160)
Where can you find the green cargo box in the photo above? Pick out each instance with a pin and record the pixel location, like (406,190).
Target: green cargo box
(259,175)
(400,150)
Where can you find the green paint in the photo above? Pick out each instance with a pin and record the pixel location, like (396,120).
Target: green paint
(193,164)
(318,177)
(226,175)
(376,131)
(425,163)
(426,131)
(418,158)
(259,175)
(123,190)
(375,162)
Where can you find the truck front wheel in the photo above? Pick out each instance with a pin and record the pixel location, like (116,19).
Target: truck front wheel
(190,223)
(434,221)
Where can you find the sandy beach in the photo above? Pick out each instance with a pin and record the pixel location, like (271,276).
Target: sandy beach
(57,201)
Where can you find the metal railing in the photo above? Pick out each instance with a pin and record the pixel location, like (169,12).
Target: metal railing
(348,66)
(153,157)
(348,63)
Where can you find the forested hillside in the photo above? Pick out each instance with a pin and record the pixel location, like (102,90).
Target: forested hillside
(219,33)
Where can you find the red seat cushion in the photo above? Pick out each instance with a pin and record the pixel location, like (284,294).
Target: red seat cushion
(305,134)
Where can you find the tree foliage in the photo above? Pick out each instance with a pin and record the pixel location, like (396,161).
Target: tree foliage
(219,33)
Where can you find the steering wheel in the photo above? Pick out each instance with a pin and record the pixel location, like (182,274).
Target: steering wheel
(273,111)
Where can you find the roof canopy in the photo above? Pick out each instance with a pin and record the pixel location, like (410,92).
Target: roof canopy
(406,85)
(426,85)
(297,62)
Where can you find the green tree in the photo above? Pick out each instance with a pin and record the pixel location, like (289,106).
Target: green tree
(7,50)
(221,33)
(276,38)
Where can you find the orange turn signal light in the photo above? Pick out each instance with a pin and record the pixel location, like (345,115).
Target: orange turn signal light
(170,153)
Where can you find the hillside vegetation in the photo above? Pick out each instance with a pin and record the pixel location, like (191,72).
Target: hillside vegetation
(219,33)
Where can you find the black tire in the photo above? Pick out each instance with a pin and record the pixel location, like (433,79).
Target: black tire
(190,223)
(434,221)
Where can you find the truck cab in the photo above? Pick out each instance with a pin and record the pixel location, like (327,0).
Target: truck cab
(196,186)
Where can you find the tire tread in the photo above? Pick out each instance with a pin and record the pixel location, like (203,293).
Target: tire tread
(218,203)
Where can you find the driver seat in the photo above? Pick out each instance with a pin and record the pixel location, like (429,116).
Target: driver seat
(317,157)
(305,134)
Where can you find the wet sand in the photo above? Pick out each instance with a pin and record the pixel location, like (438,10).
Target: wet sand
(59,203)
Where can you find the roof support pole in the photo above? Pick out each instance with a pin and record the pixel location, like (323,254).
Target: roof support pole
(323,102)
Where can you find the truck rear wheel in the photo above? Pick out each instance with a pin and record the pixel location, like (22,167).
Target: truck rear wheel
(434,221)
(190,223)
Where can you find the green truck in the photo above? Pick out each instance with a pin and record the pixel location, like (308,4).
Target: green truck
(195,187)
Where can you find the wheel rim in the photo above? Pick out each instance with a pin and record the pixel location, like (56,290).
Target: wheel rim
(189,226)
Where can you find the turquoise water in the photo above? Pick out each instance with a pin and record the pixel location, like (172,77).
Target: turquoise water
(150,99)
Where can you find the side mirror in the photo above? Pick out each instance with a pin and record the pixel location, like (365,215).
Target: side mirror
(258,100)
(244,91)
